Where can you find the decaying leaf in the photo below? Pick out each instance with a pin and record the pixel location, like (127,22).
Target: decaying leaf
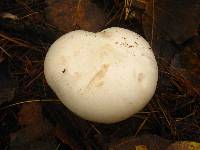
(184,145)
(144,142)
(7,15)
(2,57)
(173,20)
(7,84)
(187,64)
(141,147)
(30,113)
(68,15)
(63,136)
(35,130)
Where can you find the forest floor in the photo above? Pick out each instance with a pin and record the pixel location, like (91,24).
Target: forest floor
(31,117)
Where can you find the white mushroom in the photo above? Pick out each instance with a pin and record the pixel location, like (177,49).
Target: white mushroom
(104,77)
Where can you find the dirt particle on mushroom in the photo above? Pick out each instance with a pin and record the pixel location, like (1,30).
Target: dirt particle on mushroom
(106,34)
(64,70)
(140,77)
(97,79)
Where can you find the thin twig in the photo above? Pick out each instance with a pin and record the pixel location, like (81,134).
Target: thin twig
(29,101)
(5,52)
(153,22)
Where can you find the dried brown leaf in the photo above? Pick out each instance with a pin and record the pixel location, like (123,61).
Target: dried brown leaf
(30,113)
(68,15)
(184,145)
(149,142)
(173,20)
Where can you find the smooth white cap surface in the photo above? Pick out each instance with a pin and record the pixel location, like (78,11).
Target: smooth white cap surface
(104,77)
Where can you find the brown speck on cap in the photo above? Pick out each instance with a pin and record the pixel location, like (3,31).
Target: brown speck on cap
(64,70)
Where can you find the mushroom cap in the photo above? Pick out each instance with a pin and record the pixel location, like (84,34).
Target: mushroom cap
(103,77)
